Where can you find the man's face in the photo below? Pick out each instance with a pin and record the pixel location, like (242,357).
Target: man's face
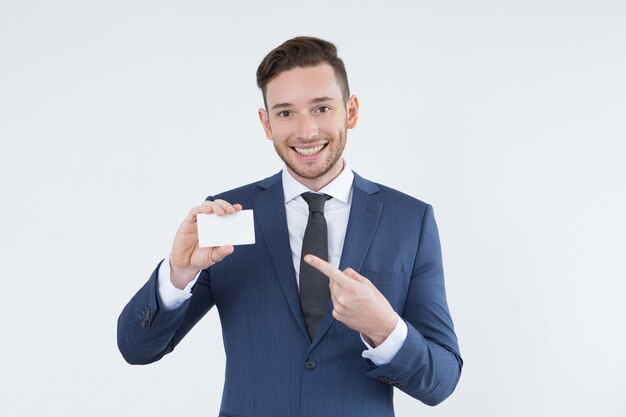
(307,120)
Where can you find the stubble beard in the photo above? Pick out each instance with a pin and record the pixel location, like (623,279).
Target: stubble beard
(333,156)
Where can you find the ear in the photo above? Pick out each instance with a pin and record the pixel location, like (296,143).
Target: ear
(352,109)
(265,122)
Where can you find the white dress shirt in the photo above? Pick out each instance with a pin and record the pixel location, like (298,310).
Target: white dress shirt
(336,212)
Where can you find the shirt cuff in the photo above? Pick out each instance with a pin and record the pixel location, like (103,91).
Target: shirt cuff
(170,296)
(384,353)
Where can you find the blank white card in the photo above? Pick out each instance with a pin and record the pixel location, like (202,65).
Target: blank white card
(229,229)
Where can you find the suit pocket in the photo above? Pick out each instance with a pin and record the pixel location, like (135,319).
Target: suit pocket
(386,278)
(392,284)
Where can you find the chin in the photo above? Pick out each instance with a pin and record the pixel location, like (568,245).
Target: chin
(309,175)
(313,173)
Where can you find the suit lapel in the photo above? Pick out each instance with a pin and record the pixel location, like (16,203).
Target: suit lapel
(272,220)
(365,214)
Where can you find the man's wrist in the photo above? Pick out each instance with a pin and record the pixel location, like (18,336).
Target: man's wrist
(378,336)
(181,277)
(386,351)
(171,297)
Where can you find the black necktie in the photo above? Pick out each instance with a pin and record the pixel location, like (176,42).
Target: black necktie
(314,291)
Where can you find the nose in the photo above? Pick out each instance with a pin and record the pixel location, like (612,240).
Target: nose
(307,129)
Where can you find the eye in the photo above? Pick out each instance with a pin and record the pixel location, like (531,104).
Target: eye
(323,109)
(283,114)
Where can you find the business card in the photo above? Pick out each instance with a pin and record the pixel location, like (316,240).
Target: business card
(229,229)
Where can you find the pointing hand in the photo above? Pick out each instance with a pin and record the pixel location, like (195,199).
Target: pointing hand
(357,303)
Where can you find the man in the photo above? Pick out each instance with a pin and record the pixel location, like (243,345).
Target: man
(303,336)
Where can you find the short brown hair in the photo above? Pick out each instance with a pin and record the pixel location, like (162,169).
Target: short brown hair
(302,51)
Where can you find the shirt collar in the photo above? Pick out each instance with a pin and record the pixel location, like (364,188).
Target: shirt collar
(339,188)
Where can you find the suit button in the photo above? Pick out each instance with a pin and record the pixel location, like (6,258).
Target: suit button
(389,381)
(309,364)
(144,316)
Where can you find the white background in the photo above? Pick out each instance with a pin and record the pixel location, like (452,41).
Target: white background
(117,117)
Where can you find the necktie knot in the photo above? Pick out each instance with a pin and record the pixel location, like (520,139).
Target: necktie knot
(315,201)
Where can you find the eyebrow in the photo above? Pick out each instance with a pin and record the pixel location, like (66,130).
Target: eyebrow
(287,105)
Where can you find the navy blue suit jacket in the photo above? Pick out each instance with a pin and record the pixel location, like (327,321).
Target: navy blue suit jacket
(273,369)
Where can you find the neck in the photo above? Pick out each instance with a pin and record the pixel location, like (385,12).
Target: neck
(316,184)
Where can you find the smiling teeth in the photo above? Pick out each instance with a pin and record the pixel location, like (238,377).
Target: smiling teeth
(309,151)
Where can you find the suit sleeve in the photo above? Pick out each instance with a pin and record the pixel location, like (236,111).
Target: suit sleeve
(146,331)
(428,365)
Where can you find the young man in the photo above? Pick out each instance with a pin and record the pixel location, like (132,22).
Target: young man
(342,296)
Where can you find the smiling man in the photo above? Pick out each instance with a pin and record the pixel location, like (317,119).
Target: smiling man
(342,296)
(308,122)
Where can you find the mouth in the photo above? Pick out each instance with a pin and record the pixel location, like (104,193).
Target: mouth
(309,151)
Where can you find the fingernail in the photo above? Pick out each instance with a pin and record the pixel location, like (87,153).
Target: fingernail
(308,258)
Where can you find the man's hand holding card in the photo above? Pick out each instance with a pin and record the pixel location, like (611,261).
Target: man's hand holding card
(206,236)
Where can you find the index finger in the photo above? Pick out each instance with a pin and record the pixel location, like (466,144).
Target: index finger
(327,269)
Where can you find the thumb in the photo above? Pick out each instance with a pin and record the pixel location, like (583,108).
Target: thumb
(354,275)
(220,252)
